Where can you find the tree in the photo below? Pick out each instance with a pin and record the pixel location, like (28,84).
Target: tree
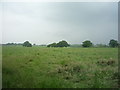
(52,45)
(87,43)
(62,44)
(113,43)
(27,44)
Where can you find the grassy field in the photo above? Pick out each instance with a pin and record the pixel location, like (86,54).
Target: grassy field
(42,67)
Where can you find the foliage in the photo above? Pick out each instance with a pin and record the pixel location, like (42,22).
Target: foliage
(52,45)
(87,43)
(59,44)
(113,43)
(27,44)
(62,44)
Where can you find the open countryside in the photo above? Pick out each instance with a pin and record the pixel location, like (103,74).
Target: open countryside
(60,67)
(59,44)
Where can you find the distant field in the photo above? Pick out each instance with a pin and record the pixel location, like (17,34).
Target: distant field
(42,67)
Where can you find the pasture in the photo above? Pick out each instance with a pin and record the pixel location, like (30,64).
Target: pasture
(43,67)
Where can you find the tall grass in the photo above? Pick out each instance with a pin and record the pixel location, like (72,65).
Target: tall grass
(42,67)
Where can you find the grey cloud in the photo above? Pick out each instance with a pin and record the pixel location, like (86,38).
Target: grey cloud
(43,23)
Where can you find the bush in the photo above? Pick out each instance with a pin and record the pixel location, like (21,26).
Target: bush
(27,44)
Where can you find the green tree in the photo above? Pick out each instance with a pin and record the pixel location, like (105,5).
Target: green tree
(27,44)
(87,43)
(113,43)
(52,45)
(62,44)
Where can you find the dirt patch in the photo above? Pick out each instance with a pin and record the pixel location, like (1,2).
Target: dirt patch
(69,72)
(109,62)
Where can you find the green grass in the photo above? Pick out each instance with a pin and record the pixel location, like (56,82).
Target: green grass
(42,67)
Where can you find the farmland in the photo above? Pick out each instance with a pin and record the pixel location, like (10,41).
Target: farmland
(44,67)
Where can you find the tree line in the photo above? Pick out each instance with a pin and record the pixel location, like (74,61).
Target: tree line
(63,43)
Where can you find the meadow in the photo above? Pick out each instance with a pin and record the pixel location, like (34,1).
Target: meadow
(44,67)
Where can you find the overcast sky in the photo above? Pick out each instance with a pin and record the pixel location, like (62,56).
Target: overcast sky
(44,23)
